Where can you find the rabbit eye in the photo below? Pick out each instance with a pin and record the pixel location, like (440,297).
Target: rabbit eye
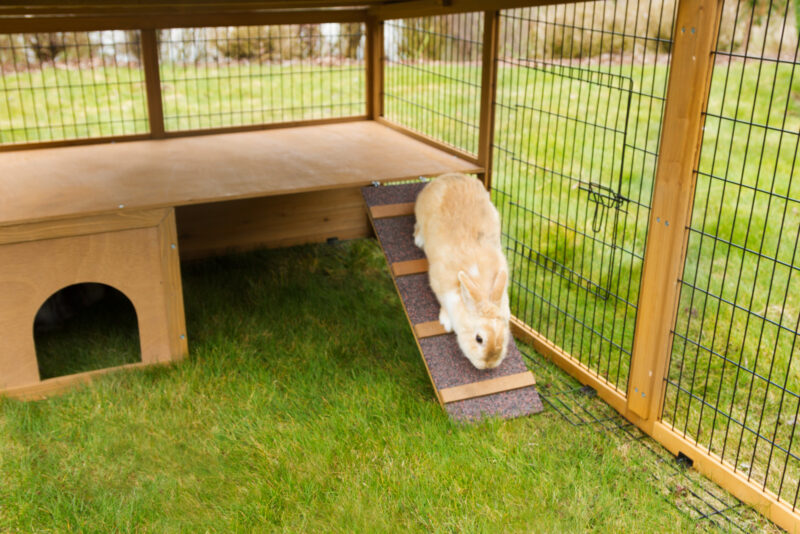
(479,339)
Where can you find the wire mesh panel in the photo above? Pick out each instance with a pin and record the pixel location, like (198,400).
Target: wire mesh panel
(235,76)
(71,85)
(580,97)
(734,382)
(432,76)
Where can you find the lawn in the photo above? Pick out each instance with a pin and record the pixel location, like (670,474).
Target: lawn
(576,265)
(304,406)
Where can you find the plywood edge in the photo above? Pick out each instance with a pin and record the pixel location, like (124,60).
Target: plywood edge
(487,387)
(82,225)
(173,287)
(392,210)
(54,386)
(429,329)
(405,268)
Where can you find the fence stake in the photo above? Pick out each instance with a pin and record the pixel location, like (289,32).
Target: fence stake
(374,65)
(488,91)
(152,79)
(673,194)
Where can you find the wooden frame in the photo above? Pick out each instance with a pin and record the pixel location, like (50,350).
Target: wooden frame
(158,20)
(491,35)
(697,25)
(695,35)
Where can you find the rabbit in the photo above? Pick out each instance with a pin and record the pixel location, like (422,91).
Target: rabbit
(458,228)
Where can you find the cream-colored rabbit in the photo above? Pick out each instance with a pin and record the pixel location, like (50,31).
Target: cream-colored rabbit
(459,230)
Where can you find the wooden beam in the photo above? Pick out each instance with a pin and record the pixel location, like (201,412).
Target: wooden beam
(158,20)
(428,8)
(181,133)
(33,7)
(74,142)
(429,329)
(432,142)
(152,79)
(491,31)
(687,95)
(487,387)
(54,386)
(174,134)
(392,210)
(404,268)
(279,221)
(81,225)
(374,68)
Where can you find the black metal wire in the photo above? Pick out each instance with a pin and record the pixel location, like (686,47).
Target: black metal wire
(580,96)
(432,76)
(236,76)
(702,500)
(732,385)
(70,85)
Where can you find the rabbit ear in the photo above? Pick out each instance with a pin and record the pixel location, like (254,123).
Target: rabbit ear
(470,292)
(499,286)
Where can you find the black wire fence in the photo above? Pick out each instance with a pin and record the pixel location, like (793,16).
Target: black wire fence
(711,507)
(580,97)
(237,76)
(432,76)
(733,384)
(71,85)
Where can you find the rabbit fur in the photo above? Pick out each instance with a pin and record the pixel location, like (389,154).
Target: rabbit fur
(459,230)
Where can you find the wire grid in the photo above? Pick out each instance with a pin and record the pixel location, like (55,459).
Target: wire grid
(580,97)
(711,507)
(71,85)
(432,76)
(733,384)
(236,76)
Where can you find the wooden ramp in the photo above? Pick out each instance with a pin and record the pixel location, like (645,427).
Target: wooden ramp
(466,393)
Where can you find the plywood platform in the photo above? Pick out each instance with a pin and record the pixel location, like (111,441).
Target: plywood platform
(465,392)
(85,180)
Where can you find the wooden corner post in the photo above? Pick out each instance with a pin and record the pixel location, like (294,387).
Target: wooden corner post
(152,81)
(374,66)
(488,92)
(695,34)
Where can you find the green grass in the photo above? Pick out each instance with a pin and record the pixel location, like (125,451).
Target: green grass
(304,406)
(545,294)
(114,339)
(65,103)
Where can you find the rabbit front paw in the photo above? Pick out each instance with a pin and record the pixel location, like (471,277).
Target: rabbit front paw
(444,318)
(418,236)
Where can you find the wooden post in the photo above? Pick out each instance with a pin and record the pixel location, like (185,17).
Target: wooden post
(673,194)
(152,80)
(374,60)
(488,91)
